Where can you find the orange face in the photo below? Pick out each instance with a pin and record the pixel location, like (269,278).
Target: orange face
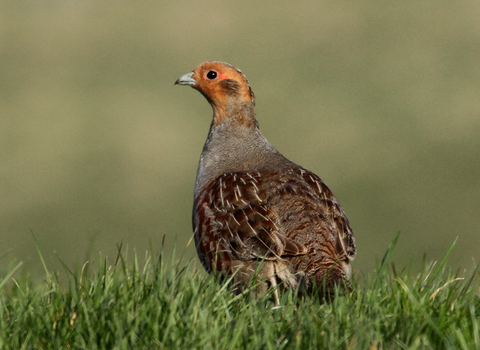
(225,87)
(219,82)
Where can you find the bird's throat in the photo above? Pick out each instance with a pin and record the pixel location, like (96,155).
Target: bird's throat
(236,113)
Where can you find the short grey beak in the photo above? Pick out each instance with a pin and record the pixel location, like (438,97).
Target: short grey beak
(186,79)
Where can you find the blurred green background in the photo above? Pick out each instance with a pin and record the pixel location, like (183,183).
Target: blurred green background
(380,99)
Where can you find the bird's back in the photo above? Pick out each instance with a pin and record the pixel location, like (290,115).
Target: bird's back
(286,218)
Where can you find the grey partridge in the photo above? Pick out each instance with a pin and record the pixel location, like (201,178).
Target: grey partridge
(255,213)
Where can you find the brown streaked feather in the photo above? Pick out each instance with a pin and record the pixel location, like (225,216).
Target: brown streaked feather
(346,241)
(292,248)
(245,223)
(273,216)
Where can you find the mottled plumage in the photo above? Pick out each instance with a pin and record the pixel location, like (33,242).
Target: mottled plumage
(253,206)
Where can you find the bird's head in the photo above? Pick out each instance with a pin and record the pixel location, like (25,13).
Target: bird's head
(225,87)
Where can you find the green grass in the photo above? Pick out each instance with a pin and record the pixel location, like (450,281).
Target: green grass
(160,304)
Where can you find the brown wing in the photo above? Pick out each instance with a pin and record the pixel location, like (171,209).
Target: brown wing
(232,217)
(331,207)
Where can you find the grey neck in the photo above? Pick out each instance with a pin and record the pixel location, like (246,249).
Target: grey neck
(231,147)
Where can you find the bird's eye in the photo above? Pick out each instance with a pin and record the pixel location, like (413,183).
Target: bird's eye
(211,75)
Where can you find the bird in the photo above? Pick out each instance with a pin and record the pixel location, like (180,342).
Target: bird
(257,215)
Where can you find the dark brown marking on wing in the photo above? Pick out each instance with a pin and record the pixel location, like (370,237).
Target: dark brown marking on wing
(234,218)
(345,243)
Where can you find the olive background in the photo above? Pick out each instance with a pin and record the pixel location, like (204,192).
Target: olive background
(381,99)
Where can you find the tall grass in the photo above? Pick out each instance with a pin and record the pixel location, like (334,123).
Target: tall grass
(151,303)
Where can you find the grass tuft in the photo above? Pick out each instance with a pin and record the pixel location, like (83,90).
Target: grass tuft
(149,303)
